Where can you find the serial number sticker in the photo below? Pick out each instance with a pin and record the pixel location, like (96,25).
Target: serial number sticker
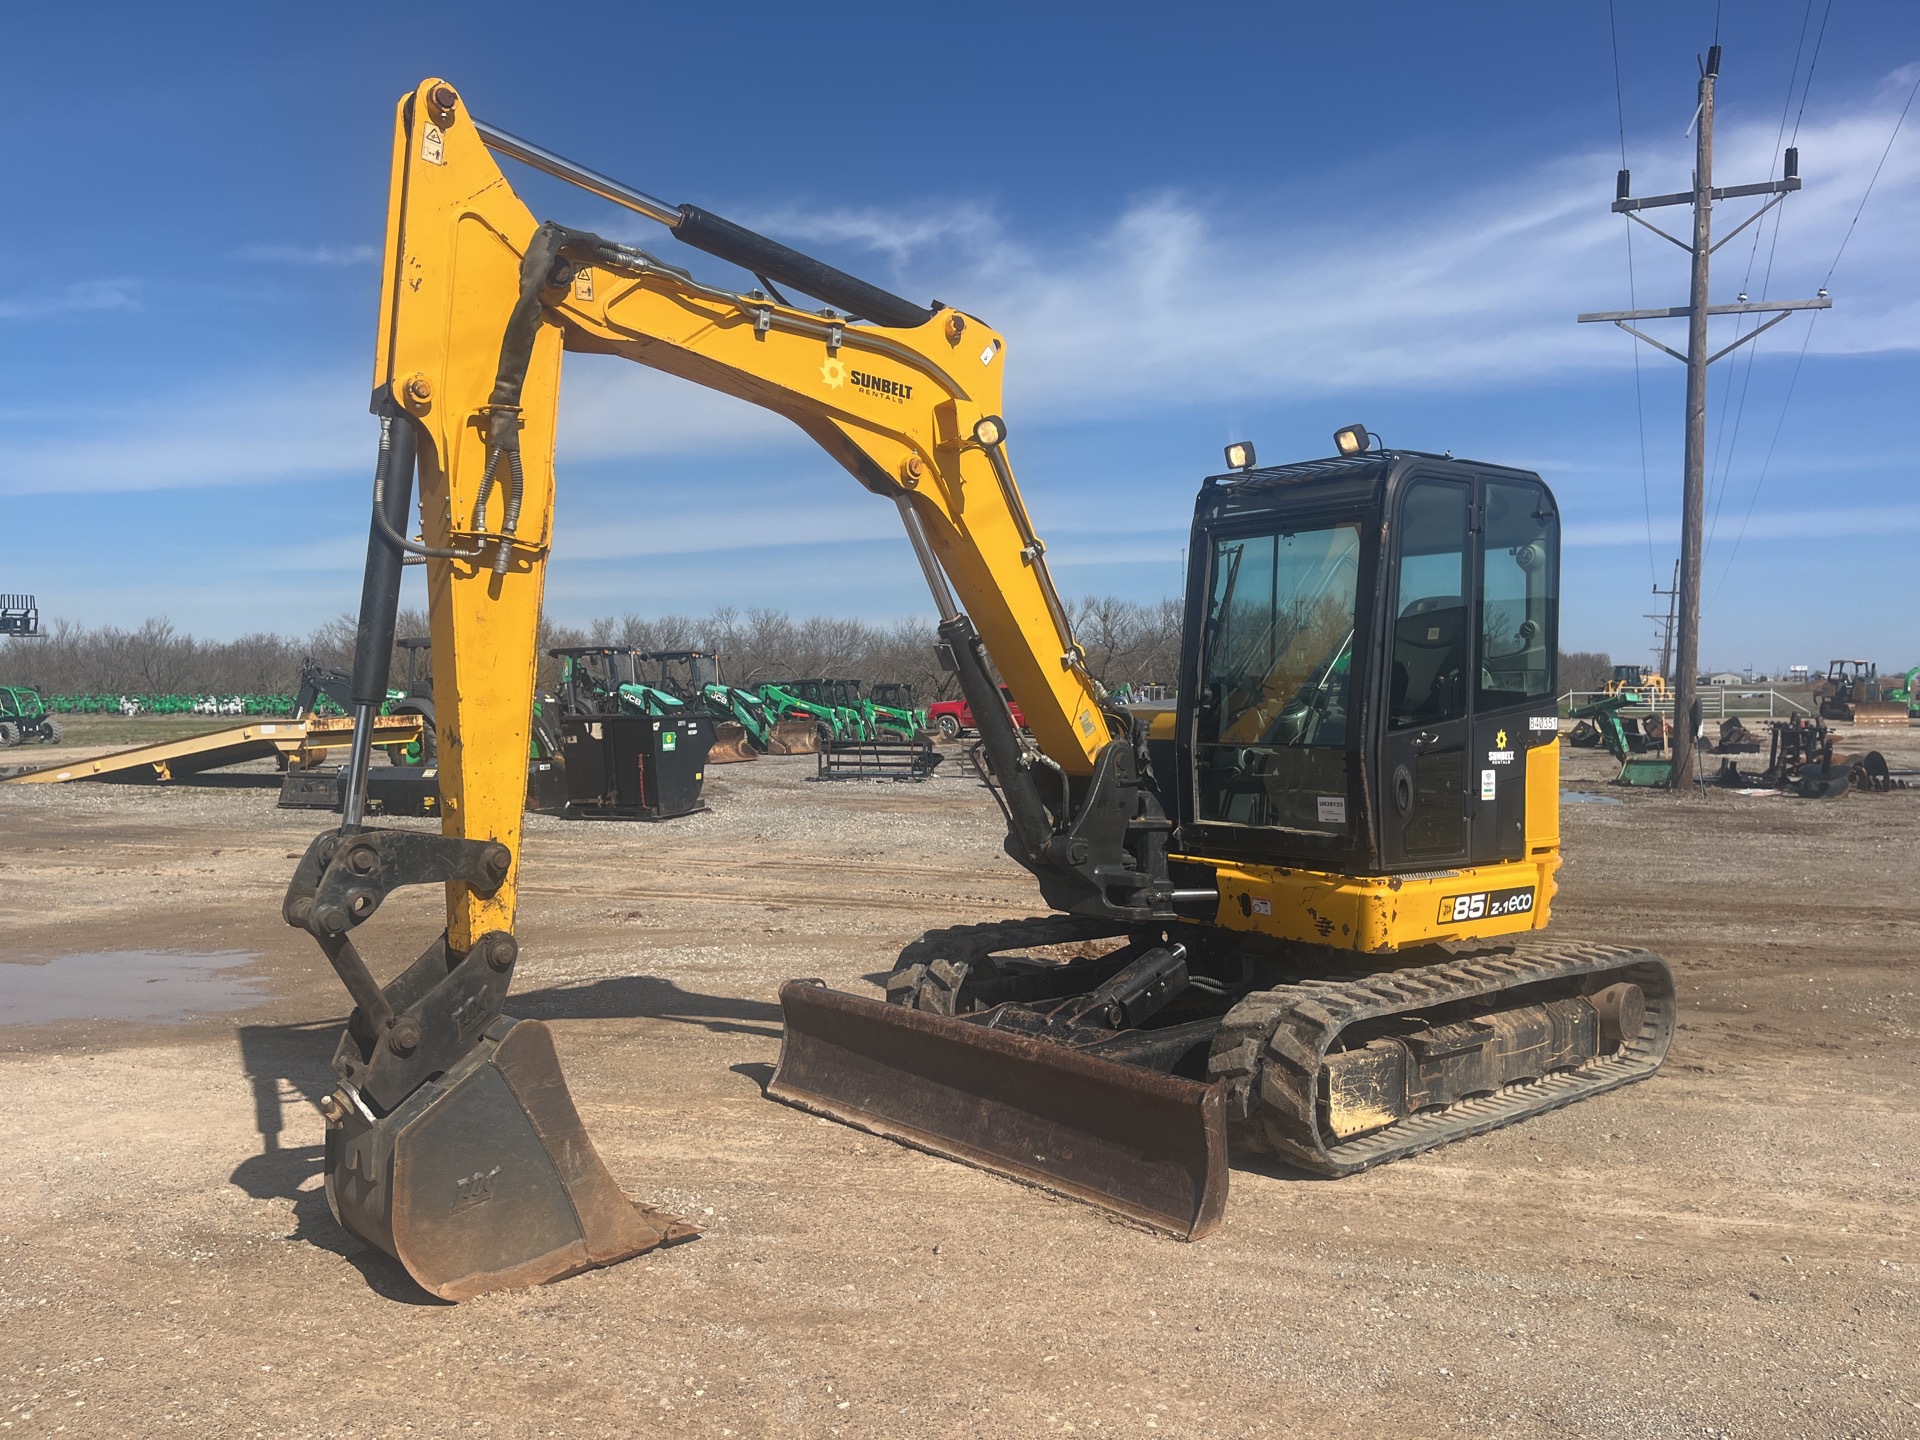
(1486,905)
(1543,722)
(1331,809)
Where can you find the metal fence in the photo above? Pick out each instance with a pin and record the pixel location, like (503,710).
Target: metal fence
(1717,702)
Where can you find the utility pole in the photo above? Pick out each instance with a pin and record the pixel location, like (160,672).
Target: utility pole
(1665,622)
(1696,311)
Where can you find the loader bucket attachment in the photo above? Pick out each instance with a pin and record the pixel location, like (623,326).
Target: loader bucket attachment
(794,737)
(730,744)
(485,1179)
(1148,1146)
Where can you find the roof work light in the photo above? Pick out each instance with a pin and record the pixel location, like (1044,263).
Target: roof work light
(1240,455)
(1352,440)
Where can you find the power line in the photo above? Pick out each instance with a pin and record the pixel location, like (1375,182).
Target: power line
(1731,438)
(1810,65)
(1808,339)
(1876,178)
(1633,299)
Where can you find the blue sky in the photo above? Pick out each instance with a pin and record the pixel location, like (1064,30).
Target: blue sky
(1218,223)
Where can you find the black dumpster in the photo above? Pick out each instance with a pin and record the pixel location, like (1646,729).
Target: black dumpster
(635,767)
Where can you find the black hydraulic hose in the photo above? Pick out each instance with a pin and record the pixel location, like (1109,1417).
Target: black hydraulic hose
(510,523)
(485,492)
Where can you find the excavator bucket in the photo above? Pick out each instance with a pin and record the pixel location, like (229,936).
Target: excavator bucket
(485,1179)
(794,737)
(730,744)
(1148,1146)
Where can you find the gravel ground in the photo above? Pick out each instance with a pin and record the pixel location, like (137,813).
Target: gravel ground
(1725,1250)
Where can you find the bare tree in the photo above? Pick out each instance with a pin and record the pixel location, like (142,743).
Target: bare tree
(1585,669)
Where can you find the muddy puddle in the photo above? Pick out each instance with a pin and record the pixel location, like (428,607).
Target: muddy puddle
(149,985)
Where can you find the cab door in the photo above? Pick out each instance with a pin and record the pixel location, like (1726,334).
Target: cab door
(1516,636)
(1426,777)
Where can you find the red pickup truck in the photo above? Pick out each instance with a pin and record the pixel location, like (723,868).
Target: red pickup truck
(954,717)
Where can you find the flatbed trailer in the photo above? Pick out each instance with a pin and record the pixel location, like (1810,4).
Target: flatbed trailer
(303,743)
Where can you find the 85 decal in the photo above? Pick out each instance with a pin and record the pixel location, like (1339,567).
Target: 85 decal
(1486,905)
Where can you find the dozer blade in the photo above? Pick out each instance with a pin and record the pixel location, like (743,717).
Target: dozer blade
(794,737)
(730,744)
(1148,1146)
(1880,712)
(485,1179)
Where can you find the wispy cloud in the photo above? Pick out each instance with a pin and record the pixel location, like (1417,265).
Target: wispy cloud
(107,293)
(257,430)
(309,254)
(1178,296)
(1173,301)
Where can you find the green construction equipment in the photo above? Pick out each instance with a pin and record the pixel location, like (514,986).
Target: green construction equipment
(1906,692)
(24,717)
(889,711)
(1624,737)
(790,700)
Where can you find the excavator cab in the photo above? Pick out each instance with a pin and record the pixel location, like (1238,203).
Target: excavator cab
(1372,644)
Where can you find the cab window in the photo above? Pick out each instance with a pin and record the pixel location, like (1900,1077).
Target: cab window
(1276,673)
(1519,557)
(1427,681)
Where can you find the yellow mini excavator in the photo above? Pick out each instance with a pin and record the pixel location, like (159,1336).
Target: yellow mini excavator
(1296,905)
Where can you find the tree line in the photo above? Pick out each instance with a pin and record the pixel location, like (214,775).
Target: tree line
(1127,643)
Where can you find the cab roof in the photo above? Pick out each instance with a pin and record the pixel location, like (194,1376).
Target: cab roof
(1348,474)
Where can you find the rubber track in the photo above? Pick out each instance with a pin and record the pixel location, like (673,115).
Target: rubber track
(1272,1045)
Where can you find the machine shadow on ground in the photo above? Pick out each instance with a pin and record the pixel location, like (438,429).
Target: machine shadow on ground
(293,1062)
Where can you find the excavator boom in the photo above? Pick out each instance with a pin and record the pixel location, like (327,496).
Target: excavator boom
(452,1141)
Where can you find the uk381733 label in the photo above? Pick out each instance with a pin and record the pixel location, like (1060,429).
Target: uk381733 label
(1486,905)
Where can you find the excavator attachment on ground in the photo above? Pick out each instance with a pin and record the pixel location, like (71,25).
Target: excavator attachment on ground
(536,1204)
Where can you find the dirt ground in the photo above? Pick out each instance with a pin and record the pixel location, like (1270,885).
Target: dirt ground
(1728,1249)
